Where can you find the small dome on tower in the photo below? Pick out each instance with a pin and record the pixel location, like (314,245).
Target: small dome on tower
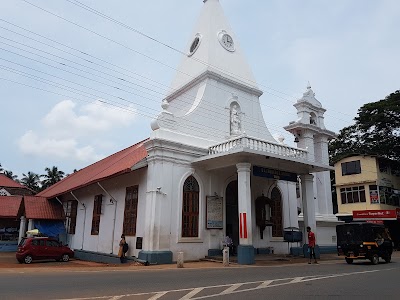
(309,96)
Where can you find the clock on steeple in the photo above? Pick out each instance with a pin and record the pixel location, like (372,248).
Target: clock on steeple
(226,41)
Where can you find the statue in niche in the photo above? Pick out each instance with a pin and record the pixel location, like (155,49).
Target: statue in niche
(235,120)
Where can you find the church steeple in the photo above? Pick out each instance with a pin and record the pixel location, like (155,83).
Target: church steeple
(213,46)
(214,95)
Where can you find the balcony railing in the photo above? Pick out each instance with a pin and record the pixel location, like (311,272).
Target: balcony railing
(258,145)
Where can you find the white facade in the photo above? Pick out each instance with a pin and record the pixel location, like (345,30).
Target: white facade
(310,133)
(212,128)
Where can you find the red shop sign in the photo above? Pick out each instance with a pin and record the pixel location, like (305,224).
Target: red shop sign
(384,214)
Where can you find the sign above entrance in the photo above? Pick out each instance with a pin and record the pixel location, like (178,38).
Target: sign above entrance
(215,212)
(274,174)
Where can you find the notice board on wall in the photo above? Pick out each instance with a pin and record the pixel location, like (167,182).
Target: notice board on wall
(214,212)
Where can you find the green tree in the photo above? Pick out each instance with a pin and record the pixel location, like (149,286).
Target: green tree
(376,131)
(10,175)
(1,169)
(32,181)
(52,176)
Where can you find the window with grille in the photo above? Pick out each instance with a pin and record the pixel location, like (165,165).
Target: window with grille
(71,210)
(351,167)
(353,194)
(276,213)
(130,212)
(190,208)
(98,199)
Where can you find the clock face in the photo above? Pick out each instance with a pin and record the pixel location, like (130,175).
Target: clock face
(226,41)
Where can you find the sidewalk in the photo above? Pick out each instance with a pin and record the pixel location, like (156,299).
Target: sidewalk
(8,261)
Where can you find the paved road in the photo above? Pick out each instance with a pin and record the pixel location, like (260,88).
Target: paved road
(300,281)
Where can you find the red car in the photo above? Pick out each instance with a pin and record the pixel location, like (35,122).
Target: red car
(37,248)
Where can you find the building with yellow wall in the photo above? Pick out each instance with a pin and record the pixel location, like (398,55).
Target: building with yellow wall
(366,183)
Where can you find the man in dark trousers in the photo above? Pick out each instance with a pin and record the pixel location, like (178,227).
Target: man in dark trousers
(311,244)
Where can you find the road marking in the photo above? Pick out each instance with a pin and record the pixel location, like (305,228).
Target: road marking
(264,284)
(297,279)
(232,288)
(294,281)
(192,293)
(158,295)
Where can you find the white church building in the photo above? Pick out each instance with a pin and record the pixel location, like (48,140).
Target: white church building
(210,168)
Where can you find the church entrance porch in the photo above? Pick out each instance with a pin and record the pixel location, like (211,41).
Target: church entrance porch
(280,166)
(269,218)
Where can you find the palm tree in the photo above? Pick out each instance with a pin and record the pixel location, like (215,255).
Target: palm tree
(53,176)
(10,175)
(31,181)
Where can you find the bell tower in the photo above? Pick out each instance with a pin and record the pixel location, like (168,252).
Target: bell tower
(310,133)
(309,129)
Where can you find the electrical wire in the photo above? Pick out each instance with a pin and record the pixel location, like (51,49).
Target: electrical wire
(122,45)
(98,13)
(205,100)
(103,83)
(277,126)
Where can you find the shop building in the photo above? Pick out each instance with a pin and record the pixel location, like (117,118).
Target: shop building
(368,189)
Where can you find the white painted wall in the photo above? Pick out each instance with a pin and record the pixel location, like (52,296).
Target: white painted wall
(210,100)
(105,242)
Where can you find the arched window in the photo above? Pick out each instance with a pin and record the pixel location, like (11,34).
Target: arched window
(276,213)
(313,119)
(190,208)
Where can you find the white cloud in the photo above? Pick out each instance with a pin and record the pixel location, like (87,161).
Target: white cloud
(32,144)
(70,132)
(65,120)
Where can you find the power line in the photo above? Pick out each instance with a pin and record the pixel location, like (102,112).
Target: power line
(81,52)
(249,121)
(98,13)
(122,45)
(80,91)
(199,128)
(209,102)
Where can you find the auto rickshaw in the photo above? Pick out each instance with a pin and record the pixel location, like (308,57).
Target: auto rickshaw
(362,240)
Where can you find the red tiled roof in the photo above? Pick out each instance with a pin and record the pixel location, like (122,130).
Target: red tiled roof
(116,164)
(41,208)
(9,206)
(8,182)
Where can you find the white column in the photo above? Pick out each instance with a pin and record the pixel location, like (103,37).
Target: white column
(22,228)
(30,226)
(323,180)
(306,141)
(150,240)
(308,201)
(244,202)
(324,194)
(158,206)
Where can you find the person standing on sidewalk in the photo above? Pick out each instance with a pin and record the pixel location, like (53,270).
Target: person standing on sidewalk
(121,253)
(311,244)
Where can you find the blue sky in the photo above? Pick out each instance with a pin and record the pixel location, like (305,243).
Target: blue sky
(347,49)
